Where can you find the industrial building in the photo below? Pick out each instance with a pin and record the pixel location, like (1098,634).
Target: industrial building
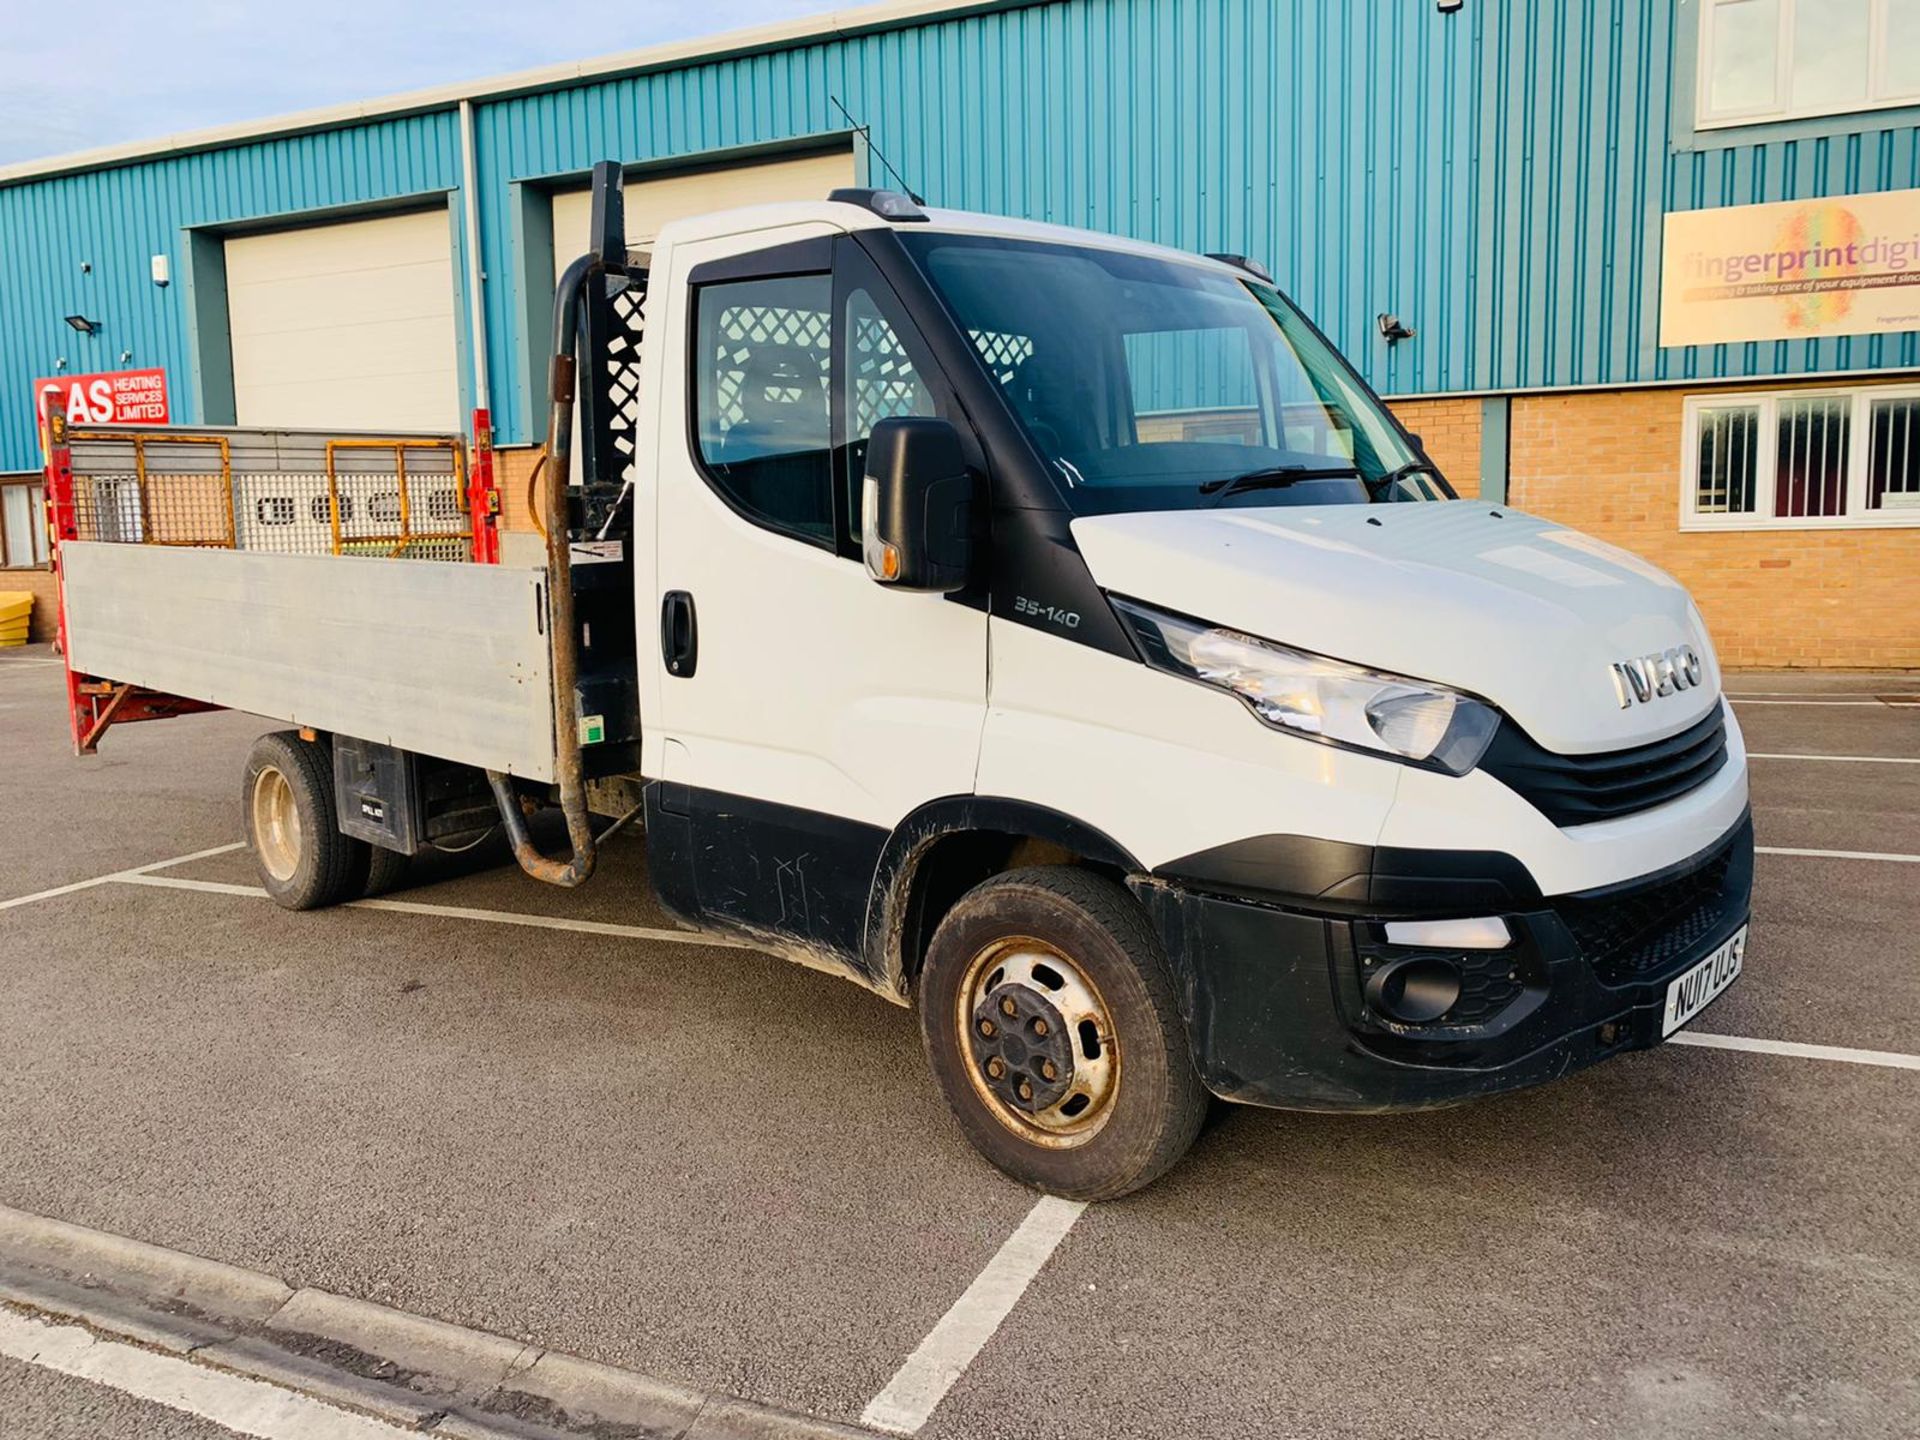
(1648,267)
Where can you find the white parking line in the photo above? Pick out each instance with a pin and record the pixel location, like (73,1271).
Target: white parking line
(1850,759)
(56,891)
(1890,1058)
(919,1386)
(179,882)
(550,922)
(118,875)
(449,912)
(249,1406)
(1837,854)
(1829,704)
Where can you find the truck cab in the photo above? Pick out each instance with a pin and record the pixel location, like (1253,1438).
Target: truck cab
(1422,797)
(1052,632)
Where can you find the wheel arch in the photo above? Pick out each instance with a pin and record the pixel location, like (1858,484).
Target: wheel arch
(946,847)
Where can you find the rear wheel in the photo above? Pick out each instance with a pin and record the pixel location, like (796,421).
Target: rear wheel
(385,870)
(287,807)
(1050,1022)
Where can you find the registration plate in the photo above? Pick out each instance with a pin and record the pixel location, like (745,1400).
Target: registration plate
(1692,992)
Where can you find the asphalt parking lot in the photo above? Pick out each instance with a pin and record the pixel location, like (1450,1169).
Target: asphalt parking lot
(714,1167)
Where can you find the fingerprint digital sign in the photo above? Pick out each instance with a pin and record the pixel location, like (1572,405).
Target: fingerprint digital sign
(1790,270)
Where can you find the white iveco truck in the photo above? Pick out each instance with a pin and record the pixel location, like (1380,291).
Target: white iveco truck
(1046,630)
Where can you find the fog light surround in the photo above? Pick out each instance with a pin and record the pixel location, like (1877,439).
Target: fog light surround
(1416,990)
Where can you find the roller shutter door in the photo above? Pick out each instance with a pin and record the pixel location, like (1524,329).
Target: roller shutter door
(347,326)
(652,203)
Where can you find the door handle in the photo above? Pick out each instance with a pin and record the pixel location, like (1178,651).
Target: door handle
(679,634)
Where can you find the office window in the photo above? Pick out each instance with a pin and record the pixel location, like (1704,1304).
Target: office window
(1726,459)
(1783,59)
(23,524)
(1801,458)
(1893,465)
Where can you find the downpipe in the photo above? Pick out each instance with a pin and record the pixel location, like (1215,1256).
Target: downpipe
(569,766)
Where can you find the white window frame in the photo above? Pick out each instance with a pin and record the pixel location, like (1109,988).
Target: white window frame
(1767,402)
(1876,98)
(37,521)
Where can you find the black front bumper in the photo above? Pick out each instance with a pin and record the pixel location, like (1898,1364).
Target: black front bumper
(1273,984)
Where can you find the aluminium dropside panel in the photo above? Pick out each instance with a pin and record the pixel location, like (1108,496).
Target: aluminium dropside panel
(445,660)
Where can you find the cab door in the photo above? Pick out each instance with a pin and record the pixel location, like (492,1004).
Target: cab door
(804,710)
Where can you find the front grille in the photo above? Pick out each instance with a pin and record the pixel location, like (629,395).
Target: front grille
(1629,933)
(1580,789)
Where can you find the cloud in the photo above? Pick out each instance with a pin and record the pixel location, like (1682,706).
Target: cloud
(136,71)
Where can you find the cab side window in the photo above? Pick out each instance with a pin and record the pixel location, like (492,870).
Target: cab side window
(762,411)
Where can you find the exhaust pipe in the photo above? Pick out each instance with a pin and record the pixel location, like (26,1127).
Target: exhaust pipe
(609,257)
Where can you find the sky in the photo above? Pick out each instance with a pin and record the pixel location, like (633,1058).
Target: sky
(135,71)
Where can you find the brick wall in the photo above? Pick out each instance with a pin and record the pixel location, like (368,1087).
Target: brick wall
(1237,425)
(1450,429)
(1609,463)
(520,543)
(510,471)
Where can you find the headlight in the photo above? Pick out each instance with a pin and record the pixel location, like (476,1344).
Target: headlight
(1321,699)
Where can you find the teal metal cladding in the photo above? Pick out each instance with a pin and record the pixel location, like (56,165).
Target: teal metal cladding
(1494,177)
(113,221)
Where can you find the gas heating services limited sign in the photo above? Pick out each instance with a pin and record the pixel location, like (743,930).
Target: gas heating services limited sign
(119,397)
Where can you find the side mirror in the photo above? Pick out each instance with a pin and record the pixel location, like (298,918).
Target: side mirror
(916,505)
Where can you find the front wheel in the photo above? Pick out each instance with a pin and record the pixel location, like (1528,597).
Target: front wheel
(1051,1025)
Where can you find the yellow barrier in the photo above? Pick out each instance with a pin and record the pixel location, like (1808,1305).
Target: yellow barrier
(16,608)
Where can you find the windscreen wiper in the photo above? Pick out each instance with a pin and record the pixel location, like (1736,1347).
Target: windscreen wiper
(1275,477)
(1379,487)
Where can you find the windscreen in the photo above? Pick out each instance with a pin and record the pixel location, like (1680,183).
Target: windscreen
(1150,384)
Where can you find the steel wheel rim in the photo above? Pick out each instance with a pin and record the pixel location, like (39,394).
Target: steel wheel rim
(1087,1091)
(276,824)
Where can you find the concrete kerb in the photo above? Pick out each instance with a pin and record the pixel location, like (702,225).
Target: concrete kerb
(154,1295)
(405,1368)
(426,1374)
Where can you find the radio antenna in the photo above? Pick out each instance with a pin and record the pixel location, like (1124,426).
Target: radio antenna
(866,133)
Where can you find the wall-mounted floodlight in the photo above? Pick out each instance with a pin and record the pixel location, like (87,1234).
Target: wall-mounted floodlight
(162,269)
(84,325)
(1395,329)
(1448,7)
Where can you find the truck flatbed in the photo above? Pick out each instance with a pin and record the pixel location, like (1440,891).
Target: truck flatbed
(446,660)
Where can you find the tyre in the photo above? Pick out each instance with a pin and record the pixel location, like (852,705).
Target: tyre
(1050,1022)
(286,805)
(385,870)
